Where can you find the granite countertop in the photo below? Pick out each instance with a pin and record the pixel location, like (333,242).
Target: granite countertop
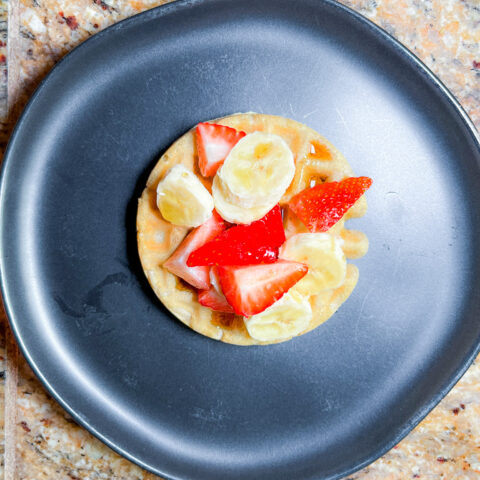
(40,440)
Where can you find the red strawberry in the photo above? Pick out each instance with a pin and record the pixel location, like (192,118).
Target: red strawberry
(244,244)
(215,279)
(176,264)
(323,205)
(250,290)
(215,300)
(214,143)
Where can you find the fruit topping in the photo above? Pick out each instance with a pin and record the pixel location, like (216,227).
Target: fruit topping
(327,265)
(198,277)
(253,178)
(215,300)
(323,205)
(214,143)
(286,318)
(251,289)
(244,244)
(182,199)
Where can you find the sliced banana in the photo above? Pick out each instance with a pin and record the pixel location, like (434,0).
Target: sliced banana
(257,171)
(233,213)
(327,265)
(286,318)
(182,199)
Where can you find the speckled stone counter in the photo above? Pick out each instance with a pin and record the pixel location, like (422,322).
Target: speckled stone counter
(40,440)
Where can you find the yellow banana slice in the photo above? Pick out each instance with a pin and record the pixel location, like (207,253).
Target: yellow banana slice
(182,199)
(327,265)
(286,318)
(233,213)
(257,171)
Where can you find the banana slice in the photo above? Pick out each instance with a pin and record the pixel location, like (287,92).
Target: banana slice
(233,213)
(257,171)
(327,265)
(286,318)
(182,199)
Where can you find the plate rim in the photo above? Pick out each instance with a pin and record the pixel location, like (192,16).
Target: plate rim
(158,12)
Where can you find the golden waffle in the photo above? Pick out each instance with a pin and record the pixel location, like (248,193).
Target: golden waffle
(316,160)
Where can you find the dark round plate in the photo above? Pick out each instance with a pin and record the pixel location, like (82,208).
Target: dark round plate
(180,404)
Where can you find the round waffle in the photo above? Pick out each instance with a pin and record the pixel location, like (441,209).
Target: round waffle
(316,160)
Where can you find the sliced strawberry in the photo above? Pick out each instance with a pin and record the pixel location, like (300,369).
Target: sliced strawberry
(323,205)
(215,279)
(214,143)
(215,300)
(177,263)
(250,290)
(244,244)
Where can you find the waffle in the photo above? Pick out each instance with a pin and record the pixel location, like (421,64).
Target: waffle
(316,160)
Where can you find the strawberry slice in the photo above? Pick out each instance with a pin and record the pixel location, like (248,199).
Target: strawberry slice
(215,300)
(215,279)
(323,205)
(250,290)
(177,264)
(214,143)
(244,244)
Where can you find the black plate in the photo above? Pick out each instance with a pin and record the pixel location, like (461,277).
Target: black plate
(167,398)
